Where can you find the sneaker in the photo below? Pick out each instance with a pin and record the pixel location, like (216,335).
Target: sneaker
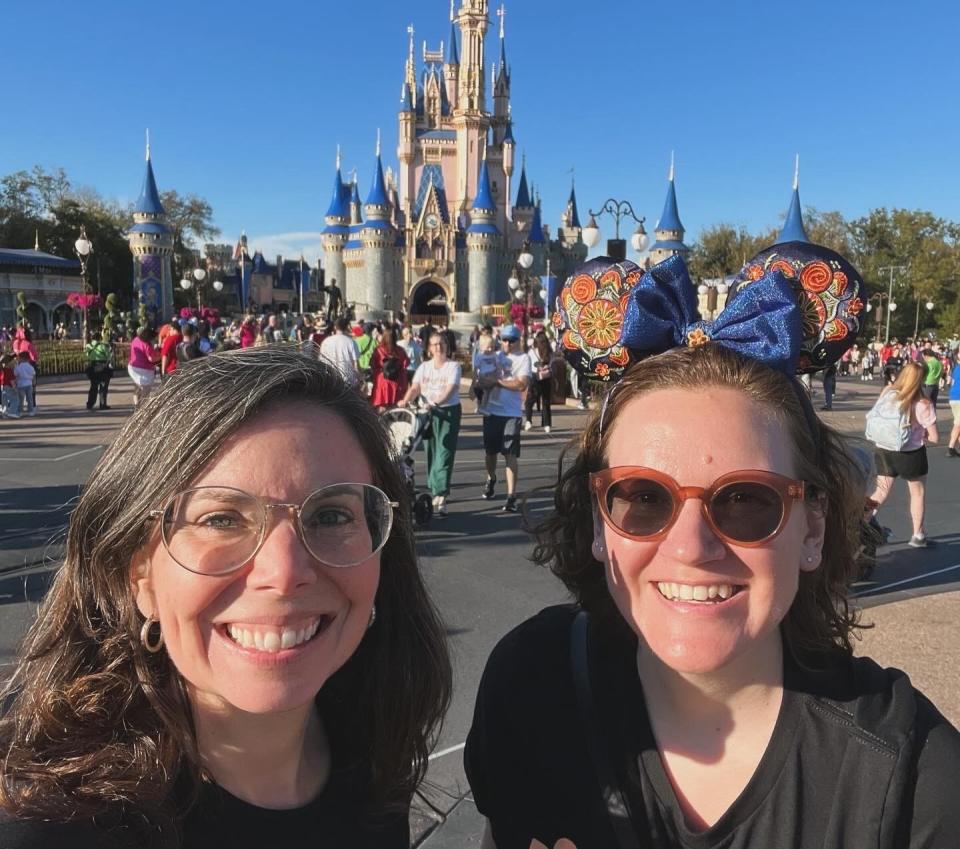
(510,505)
(527,424)
(11,415)
(919,542)
(546,428)
(952,452)
(441,506)
(435,502)
(488,488)
(582,406)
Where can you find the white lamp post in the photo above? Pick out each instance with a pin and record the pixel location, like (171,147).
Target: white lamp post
(591,233)
(83,247)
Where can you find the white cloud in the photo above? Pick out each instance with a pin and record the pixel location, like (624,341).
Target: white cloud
(288,245)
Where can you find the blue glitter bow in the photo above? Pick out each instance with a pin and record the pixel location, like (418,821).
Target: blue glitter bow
(762,322)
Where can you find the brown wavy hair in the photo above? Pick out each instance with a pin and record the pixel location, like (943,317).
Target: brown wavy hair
(820,619)
(95,720)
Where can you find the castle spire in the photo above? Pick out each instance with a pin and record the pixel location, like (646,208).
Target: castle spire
(504,71)
(523,193)
(573,215)
(453,55)
(670,217)
(339,201)
(410,73)
(484,198)
(793,229)
(149,200)
(378,189)
(148,144)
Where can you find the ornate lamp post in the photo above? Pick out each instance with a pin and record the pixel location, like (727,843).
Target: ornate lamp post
(879,298)
(83,247)
(199,274)
(524,286)
(616,247)
(916,324)
(891,269)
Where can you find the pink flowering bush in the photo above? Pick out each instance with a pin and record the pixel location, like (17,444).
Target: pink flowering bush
(83,301)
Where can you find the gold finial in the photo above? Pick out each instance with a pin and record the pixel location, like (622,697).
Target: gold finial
(796,173)
(452,16)
(410,32)
(148,145)
(338,157)
(670,177)
(378,141)
(502,14)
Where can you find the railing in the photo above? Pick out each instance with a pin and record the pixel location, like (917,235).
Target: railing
(429,318)
(494,311)
(67,357)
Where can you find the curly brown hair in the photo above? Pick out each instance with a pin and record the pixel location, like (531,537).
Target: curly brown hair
(820,620)
(96,720)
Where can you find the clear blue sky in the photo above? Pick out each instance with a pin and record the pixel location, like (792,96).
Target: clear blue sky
(247,101)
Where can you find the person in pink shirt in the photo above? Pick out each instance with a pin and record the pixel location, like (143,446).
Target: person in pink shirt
(23,341)
(248,331)
(142,364)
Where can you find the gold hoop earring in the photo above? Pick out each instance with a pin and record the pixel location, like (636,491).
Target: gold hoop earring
(153,648)
(373,617)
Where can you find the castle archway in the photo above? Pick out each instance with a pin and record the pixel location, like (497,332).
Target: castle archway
(429,302)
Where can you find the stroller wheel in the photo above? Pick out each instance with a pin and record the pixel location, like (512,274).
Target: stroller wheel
(423,509)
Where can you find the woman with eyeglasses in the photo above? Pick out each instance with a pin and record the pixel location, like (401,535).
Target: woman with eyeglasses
(238,650)
(702,693)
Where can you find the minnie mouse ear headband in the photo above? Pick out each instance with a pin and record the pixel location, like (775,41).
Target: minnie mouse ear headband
(794,307)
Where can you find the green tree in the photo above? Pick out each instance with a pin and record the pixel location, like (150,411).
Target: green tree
(190,219)
(723,249)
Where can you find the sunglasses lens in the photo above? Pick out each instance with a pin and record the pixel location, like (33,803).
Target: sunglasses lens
(639,507)
(746,511)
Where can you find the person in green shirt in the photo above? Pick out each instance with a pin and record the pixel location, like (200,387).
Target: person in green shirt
(99,371)
(366,345)
(931,377)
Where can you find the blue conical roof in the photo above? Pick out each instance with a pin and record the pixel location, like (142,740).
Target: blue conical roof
(484,198)
(149,200)
(406,101)
(670,217)
(793,230)
(572,204)
(503,71)
(453,55)
(338,202)
(536,228)
(523,193)
(378,189)
(508,133)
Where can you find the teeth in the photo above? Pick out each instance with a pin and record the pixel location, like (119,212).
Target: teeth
(271,640)
(690,592)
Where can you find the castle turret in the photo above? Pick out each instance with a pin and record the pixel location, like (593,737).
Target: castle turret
(151,243)
(793,229)
(379,240)
(669,231)
(354,284)
(483,241)
(570,230)
(501,87)
(473,21)
(451,68)
(336,231)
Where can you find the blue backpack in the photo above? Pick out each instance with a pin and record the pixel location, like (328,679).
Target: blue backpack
(887,426)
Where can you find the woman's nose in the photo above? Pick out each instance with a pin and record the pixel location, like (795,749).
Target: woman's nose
(283,562)
(691,539)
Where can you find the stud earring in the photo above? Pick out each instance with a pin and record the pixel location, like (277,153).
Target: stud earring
(809,558)
(153,648)
(373,617)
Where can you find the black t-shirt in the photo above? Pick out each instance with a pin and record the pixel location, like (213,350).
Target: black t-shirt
(857,759)
(335,820)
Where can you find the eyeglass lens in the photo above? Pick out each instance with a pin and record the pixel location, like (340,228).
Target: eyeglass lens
(213,530)
(745,511)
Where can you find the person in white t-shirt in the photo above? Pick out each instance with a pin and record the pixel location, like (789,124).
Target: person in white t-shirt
(503,415)
(438,381)
(340,350)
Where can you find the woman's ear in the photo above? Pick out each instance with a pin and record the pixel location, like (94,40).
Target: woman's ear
(812,547)
(142,584)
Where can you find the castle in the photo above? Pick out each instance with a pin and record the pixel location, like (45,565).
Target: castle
(445,229)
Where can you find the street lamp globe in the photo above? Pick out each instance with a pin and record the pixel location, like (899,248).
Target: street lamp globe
(185,284)
(702,289)
(722,289)
(869,307)
(525,260)
(640,239)
(518,294)
(893,307)
(83,246)
(929,305)
(199,274)
(591,233)
(218,285)
(513,283)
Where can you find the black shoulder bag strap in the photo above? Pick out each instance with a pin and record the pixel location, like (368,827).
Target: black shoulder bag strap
(614,801)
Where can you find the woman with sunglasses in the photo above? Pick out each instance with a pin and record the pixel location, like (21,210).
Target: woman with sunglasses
(703,692)
(238,650)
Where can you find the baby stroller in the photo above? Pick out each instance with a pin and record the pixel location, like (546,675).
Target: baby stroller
(408,428)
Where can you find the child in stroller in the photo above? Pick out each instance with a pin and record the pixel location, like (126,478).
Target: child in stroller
(407,428)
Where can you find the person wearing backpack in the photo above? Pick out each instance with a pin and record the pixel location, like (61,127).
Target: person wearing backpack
(388,366)
(899,425)
(189,348)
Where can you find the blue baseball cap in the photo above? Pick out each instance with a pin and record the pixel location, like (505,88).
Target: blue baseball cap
(510,332)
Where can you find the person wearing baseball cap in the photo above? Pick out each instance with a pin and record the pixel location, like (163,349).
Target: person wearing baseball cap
(503,414)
